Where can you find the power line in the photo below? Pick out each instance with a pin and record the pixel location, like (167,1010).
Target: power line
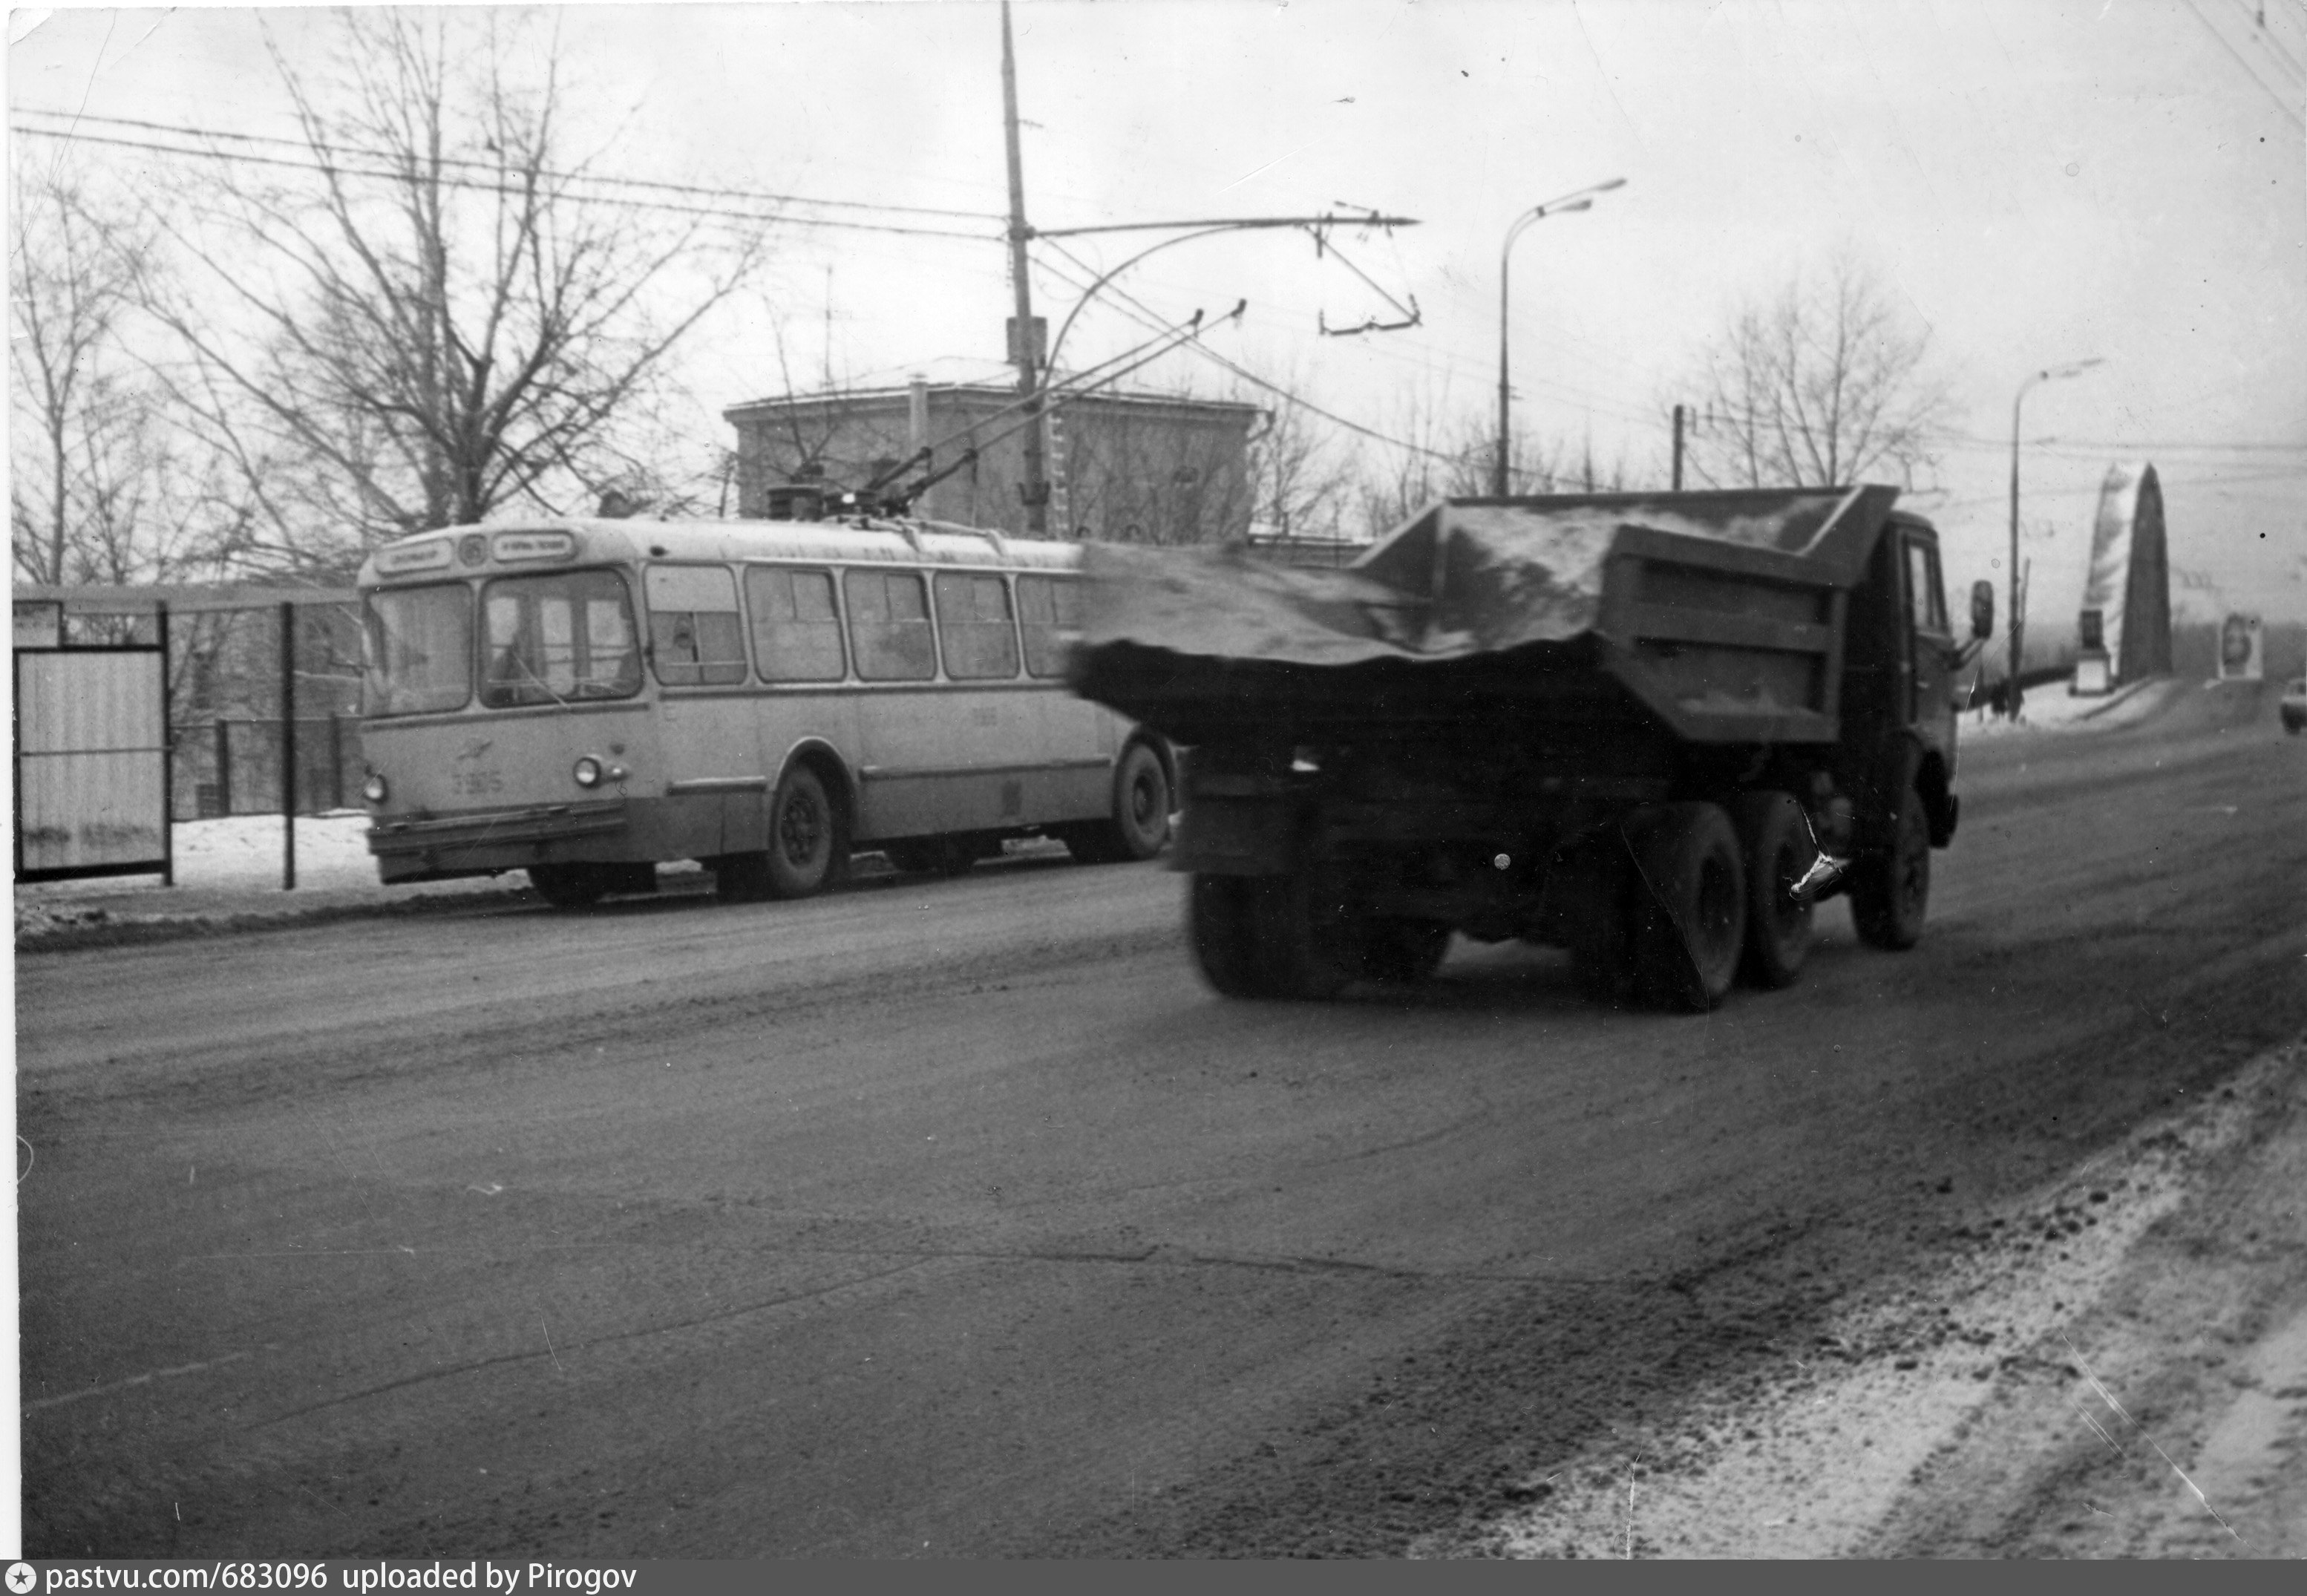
(2053,442)
(758,196)
(668,206)
(2266,36)
(2281,103)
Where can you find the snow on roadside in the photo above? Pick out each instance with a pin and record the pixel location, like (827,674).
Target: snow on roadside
(2052,709)
(1807,1468)
(232,854)
(244,851)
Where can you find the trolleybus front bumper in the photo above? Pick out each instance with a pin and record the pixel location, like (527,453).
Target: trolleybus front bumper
(476,842)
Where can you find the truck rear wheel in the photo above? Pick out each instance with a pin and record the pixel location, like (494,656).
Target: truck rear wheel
(1403,952)
(1306,947)
(1222,930)
(1891,892)
(1779,852)
(1690,932)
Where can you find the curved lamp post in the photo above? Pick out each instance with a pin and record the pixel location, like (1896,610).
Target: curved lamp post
(1577,199)
(2018,627)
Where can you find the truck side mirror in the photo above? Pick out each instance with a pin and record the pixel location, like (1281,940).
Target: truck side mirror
(1982,610)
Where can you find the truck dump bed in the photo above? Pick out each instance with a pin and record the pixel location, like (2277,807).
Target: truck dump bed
(1719,614)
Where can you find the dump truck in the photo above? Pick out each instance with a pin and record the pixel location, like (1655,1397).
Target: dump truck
(1656,730)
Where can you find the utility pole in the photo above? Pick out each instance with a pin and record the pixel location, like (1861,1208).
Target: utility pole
(1026,354)
(1677,449)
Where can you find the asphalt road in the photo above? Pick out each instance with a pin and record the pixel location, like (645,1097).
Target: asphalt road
(957,1218)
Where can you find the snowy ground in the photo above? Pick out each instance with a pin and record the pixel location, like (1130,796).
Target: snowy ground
(229,869)
(2053,709)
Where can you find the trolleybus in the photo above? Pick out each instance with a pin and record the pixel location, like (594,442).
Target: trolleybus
(587,699)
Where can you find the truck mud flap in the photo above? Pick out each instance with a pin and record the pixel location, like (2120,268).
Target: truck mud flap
(1234,837)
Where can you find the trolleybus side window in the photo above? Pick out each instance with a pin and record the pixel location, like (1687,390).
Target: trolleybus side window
(889,626)
(1051,611)
(973,626)
(560,638)
(796,630)
(419,650)
(696,637)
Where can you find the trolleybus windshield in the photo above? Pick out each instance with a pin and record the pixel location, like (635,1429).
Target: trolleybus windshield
(419,650)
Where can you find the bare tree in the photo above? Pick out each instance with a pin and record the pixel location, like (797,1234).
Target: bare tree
(103,487)
(1300,485)
(435,311)
(1825,384)
(76,421)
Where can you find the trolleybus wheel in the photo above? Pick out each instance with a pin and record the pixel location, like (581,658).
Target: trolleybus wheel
(1690,931)
(1889,892)
(805,840)
(1779,852)
(1221,929)
(1141,813)
(568,886)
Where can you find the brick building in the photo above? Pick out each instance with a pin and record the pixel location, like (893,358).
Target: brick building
(1139,468)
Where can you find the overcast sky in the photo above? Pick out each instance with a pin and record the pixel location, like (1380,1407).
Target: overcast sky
(2039,182)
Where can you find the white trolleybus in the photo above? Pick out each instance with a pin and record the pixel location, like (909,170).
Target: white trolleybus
(584,700)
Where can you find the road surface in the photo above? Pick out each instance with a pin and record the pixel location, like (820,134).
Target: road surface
(956,1218)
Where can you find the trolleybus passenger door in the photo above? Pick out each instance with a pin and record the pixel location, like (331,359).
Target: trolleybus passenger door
(903,734)
(1079,738)
(996,723)
(711,755)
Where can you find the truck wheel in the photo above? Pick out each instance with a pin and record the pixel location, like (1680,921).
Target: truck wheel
(1593,887)
(1889,892)
(1403,952)
(568,886)
(1304,939)
(1778,851)
(1690,932)
(1141,813)
(1219,929)
(805,836)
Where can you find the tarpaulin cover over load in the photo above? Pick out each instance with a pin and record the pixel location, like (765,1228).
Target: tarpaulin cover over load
(1509,573)
(1463,580)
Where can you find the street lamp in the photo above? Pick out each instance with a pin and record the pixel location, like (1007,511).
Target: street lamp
(1577,199)
(2011,687)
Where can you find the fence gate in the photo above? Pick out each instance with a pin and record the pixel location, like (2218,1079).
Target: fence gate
(93,777)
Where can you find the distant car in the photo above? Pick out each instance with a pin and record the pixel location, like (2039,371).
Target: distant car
(2294,705)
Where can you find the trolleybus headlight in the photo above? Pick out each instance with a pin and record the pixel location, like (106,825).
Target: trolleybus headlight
(588,772)
(373,789)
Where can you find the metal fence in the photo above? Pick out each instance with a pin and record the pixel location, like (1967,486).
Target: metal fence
(231,766)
